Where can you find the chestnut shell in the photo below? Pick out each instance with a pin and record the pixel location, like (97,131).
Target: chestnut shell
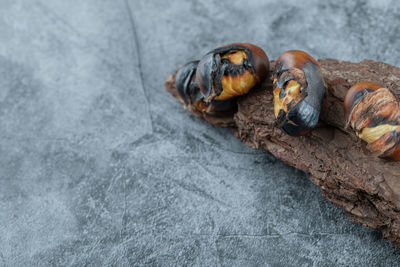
(303,117)
(186,84)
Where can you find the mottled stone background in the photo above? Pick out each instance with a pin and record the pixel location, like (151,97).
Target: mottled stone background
(99,165)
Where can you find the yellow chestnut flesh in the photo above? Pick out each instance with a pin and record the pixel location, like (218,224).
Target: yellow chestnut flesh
(236,85)
(239,84)
(371,134)
(235,57)
(292,90)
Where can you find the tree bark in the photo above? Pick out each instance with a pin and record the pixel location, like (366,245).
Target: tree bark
(367,187)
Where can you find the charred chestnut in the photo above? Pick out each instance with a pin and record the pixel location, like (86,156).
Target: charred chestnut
(298,92)
(230,71)
(212,84)
(372,111)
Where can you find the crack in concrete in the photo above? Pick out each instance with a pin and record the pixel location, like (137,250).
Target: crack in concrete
(139,58)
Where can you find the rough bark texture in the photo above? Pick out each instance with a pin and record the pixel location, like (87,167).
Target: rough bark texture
(367,187)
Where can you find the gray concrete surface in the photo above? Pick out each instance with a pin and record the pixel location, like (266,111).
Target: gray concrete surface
(100,166)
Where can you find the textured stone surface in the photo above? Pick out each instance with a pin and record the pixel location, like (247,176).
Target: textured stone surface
(100,166)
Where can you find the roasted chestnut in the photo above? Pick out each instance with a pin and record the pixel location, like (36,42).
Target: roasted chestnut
(372,111)
(298,92)
(212,84)
(230,71)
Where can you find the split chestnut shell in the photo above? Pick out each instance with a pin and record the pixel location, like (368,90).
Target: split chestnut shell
(298,92)
(230,71)
(186,84)
(372,111)
(212,84)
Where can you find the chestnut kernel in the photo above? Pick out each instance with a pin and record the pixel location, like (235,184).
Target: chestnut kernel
(298,89)
(372,111)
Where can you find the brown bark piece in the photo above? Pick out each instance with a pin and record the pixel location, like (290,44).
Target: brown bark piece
(367,187)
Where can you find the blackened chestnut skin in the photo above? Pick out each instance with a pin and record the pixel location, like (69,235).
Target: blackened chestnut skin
(304,111)
(250,64)
(190,94)
(186,84)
